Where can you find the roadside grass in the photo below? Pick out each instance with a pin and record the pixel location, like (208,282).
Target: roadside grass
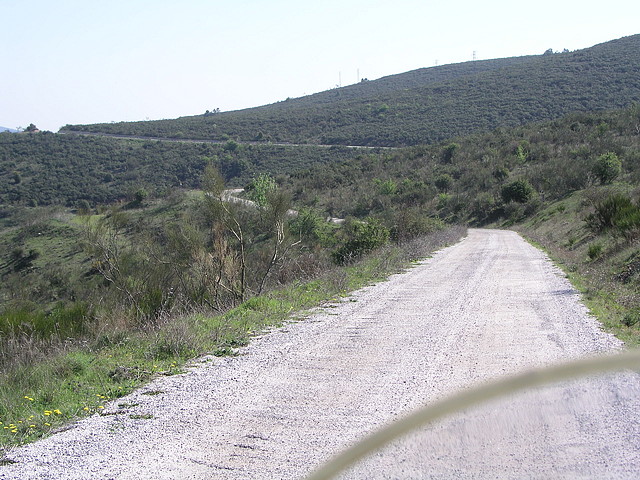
(76,379)
(604,267)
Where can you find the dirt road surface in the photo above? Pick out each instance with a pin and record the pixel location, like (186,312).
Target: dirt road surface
(489,306)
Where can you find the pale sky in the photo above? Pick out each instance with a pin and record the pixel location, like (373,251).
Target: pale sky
(71,61)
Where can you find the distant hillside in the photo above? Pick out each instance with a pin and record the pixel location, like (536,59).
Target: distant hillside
(426,105)
(463,180)
(49,169)
(6,129)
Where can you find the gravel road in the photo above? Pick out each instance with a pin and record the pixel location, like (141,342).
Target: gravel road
(489,306)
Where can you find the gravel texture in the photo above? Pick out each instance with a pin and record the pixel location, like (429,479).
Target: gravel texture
(489,306)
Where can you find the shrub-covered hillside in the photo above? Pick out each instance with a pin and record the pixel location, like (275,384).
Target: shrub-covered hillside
(49,169)
(480,178)
(426,105)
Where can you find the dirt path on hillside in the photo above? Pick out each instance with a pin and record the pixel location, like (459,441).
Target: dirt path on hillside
(489,306)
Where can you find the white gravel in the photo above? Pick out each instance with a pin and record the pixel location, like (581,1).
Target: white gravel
(489,306)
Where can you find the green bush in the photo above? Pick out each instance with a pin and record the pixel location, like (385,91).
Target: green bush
(412,223)
(261,188)
(64,321)
(607,167)
(594,250)
(616,213)
(443,182)
(519,191)
(631,318)
(363,237)
(387,187)
(449,152)
(308,225)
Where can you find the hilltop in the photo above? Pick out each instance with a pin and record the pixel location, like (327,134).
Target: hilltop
(426,105)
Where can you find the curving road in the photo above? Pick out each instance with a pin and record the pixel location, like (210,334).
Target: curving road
(489,306)
(203,140)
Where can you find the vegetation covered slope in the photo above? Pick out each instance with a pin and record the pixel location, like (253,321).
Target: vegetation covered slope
(49,169)
(465,178)
(427,105)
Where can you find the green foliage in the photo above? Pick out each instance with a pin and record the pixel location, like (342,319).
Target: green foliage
(616,213)
(449,152)
(413,223)
(140,196)
(485,208)
(607,167)
(557,164)
(311,227)
(594,250)
(501,173)
(519,191)
(231,146)
(84,208)
(363,237)
(386,187)
(443,182)
(64,321)
(631,318)
(212,182)
(522,152)
(261,188)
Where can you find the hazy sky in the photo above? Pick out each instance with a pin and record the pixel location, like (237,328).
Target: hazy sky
(87,61)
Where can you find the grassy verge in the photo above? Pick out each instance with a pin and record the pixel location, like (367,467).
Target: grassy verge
(608,301)
(78,379)
(603,267)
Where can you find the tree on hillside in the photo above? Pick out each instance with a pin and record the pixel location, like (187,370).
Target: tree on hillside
(449,152)
(261,188)
(519,191)
(607,167)
(274,205)
(223,219)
